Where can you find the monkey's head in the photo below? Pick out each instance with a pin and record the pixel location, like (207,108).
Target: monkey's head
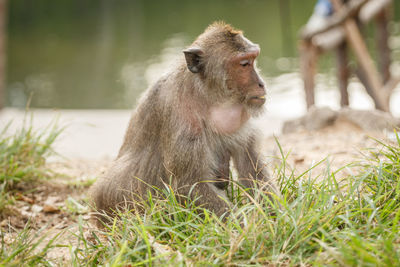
(225,61)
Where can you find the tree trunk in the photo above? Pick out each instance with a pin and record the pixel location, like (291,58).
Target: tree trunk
(3,14)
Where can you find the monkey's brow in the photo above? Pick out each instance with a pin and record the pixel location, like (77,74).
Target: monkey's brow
(246,55)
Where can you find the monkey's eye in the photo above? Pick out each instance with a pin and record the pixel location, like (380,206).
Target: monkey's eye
(245,63)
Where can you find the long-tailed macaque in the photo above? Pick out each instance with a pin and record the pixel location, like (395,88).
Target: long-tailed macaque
(190,123)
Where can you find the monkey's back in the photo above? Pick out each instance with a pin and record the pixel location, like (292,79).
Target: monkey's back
(139,162)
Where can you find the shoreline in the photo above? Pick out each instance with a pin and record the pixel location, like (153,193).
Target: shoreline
(97,134)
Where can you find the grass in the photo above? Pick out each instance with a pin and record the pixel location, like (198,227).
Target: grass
(351,222)
(28,248)
(23,155)
(22,161)
(348,222)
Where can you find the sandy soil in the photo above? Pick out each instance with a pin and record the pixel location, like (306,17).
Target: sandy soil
(336,146)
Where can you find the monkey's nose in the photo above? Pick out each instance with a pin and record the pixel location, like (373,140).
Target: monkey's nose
(261,85)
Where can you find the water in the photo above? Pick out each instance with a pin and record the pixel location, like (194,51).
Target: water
(102,54)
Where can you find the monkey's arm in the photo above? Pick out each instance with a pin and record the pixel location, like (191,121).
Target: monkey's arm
(222,170)
(188,162)
(250,167)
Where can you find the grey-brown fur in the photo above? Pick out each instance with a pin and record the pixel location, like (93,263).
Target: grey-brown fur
(171,138)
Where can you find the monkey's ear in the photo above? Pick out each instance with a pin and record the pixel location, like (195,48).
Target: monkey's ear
(193,59)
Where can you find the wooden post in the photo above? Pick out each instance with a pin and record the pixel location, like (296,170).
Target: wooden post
(355,39)
(308,60)
(363,79)
(3,13)
(343,73)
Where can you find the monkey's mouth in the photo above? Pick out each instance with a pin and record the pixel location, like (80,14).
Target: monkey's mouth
(257,100)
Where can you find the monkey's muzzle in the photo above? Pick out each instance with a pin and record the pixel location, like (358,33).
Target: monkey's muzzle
(257,100)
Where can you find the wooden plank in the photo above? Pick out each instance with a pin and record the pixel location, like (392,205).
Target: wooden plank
(335,20)
(372,9)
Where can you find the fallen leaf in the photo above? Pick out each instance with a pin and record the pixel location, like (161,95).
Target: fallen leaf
(50,209)
(299,160)
(20,196)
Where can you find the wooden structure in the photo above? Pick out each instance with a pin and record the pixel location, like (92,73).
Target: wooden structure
(342,30)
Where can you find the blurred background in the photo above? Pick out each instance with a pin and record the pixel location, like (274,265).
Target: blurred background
(101,54)
(86,62)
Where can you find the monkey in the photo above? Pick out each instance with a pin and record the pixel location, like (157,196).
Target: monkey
(189,124)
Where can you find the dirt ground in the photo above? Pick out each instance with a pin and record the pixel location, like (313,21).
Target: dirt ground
(57,203)
(337,146)
(52,208)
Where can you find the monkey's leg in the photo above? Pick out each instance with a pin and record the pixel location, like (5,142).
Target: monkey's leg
(222,173)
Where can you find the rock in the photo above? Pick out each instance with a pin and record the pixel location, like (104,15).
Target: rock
(36,209)
(292,126)
(315,119)
(370,120)
(318,118)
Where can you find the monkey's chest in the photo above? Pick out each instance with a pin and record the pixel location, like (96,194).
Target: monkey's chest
(227,118)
